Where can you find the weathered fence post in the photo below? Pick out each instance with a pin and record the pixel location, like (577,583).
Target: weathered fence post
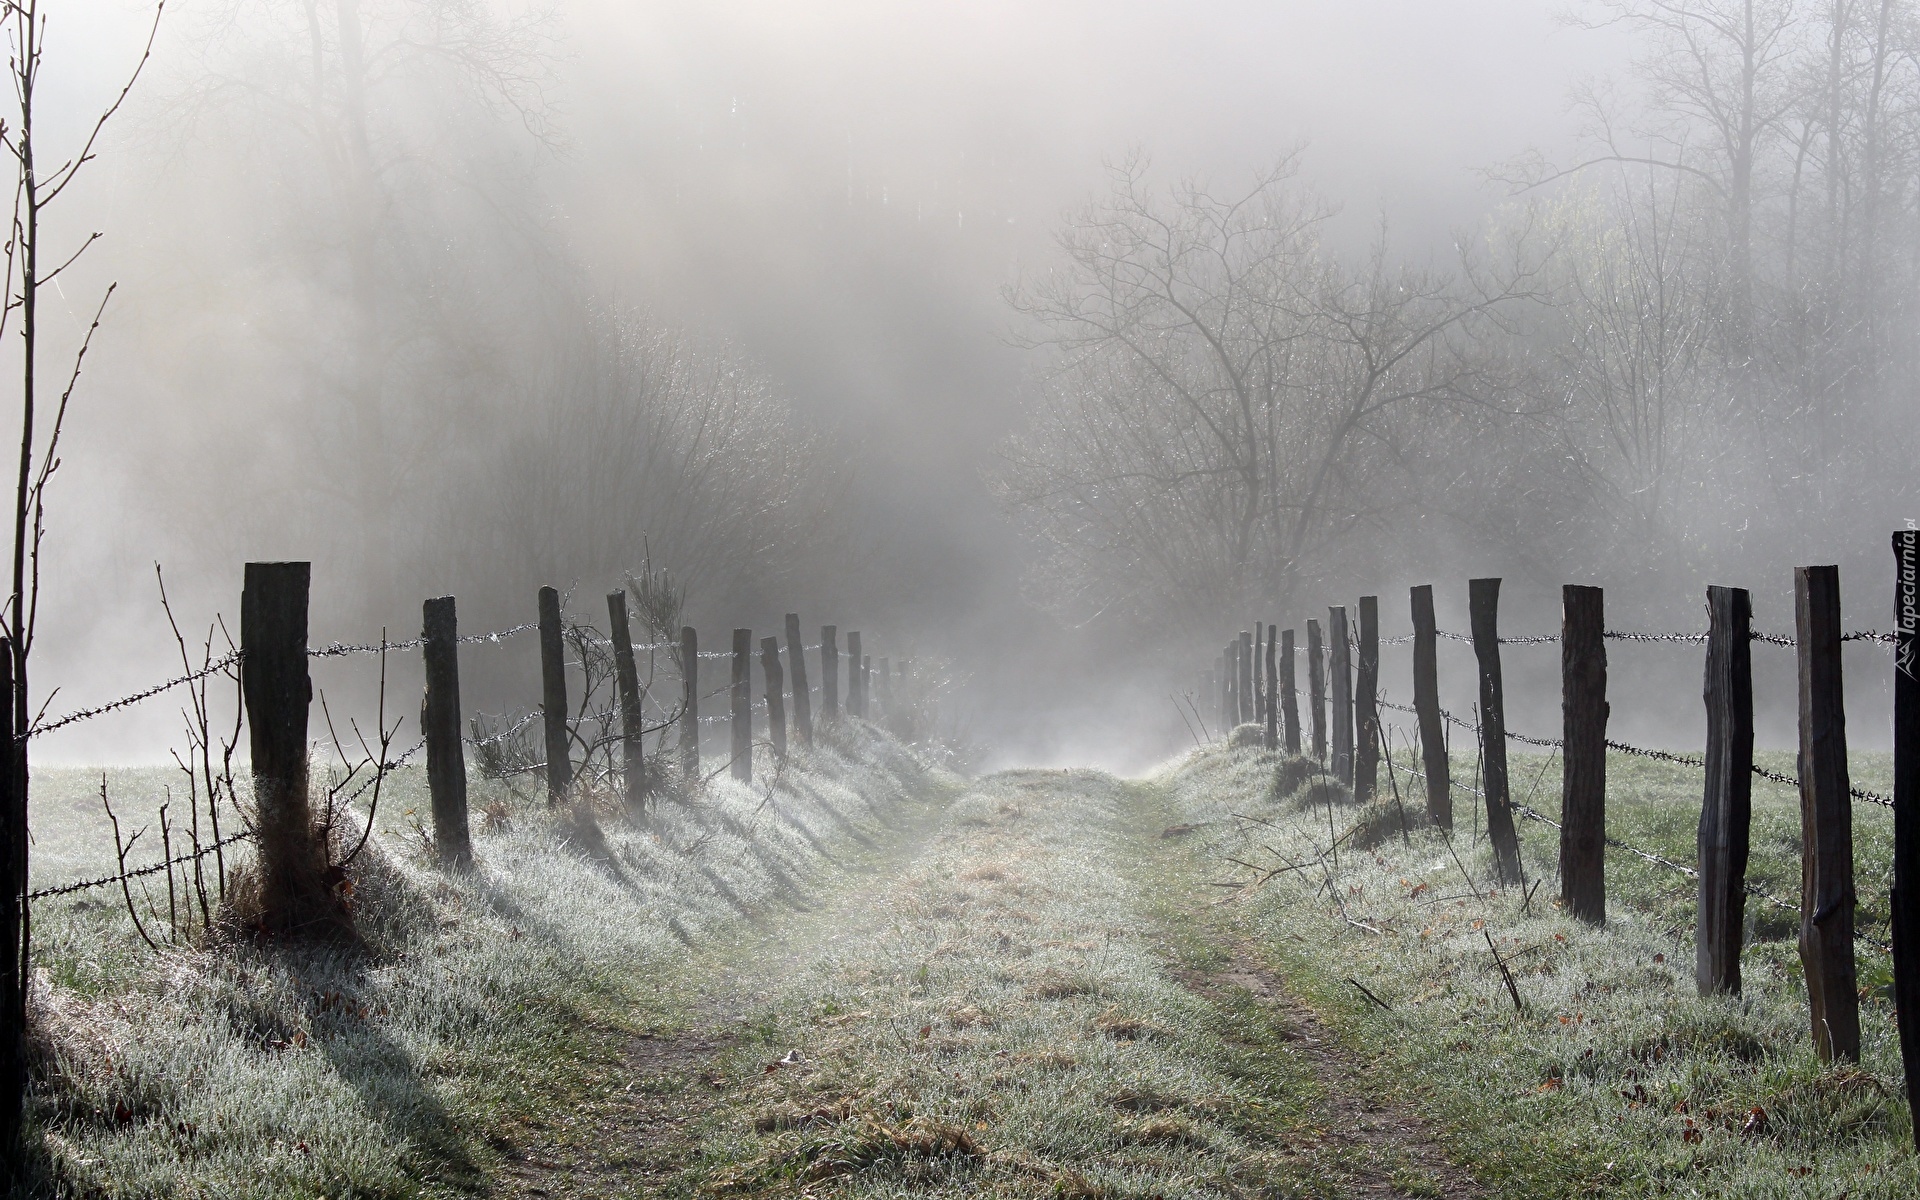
(553,697)
(1483,602)
(1273,689)
(626,677)
(1583,757)
(802,702)
(856,694)
(776,702)
(1289,695)
(1261,686)
(276,691)
(1247,678)
(1826,820)
(741,694)
(829,672)
(1366,711)
(13,923)
(1221,689)
(1905,901)
(1726,810)
(440,721)
(1426,707)
(1340,656)
(689,703)
(1317,691)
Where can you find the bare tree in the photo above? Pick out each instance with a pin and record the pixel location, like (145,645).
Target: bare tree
(1226,401)
(40,181)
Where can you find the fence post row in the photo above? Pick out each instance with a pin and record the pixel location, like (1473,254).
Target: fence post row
(1289,697)
(1340,656)
(1726,810)
(741,695)
(1366,713)
(626,674)
(1483,602)
(1905,901)
(1583,726)
(802,702)
(1826,819)
(1426,707)
(276,690)
(440,722)
(829,672)
(1317,691)
(553,697)
(689,703)
(776,704)
(856,698)
(1273,690)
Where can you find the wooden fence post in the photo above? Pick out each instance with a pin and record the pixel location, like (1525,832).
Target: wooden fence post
(1905,901)
(689,703)
(866,686)
(856,695)
(626,677)
(1826,820)
(1583,757)
(440,721)
(1261,686)
(553,697)
(1289,695)
(1273,689)
(1483,602)
(776,702)
(1366,711)
(1426,707)
(829,672)
(13,924)
(1726,810)
(276,690)
(1218,696)
(802,702)
(1317,691)
(1340,663)
(741,694)
(1247,678)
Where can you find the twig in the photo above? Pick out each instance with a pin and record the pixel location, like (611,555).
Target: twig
(120,853)
(1384,1006)
(1512,989)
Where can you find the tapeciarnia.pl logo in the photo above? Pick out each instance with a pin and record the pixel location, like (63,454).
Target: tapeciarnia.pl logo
(1909,607)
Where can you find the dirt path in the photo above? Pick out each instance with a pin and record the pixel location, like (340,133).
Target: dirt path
(1012,1006)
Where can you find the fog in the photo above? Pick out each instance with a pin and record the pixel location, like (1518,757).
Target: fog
(391,342)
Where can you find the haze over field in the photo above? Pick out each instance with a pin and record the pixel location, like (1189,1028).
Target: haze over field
(385,302)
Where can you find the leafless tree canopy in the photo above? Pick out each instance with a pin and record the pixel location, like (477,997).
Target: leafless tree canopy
(1228,401)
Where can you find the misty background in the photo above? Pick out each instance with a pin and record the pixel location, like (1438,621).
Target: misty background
(455,298)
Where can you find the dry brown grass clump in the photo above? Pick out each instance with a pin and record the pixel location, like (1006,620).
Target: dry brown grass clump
(1324,790)
(1057,985)
(1165,1131)
(1123,1027)
(1291,773)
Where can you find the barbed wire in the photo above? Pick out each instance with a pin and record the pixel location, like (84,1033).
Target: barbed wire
(152,869)
(87,714)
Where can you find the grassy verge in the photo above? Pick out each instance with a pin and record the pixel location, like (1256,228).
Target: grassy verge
(478,1001)
(997,1018)
(1615,1078)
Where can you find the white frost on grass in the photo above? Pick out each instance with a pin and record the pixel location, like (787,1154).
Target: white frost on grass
(241,1069)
